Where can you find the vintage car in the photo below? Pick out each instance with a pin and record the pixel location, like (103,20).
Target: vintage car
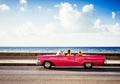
(61,60)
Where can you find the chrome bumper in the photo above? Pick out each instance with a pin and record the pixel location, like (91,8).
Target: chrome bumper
(38,63)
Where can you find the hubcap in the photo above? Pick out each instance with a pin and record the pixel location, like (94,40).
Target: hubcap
(47,64)
(88,65)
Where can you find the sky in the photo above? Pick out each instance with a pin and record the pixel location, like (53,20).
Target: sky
(60,23)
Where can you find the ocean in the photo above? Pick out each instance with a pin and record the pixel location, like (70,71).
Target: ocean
(56,49)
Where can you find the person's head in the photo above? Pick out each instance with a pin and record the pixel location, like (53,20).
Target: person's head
(62,51)
(69,51)
(79,52)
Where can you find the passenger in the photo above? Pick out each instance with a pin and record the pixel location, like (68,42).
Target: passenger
(68,53)
(62,53)
(79,53)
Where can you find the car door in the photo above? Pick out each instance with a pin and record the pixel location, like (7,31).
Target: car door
(79,60)
(66,61)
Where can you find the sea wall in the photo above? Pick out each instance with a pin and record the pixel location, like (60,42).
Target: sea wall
(27,55)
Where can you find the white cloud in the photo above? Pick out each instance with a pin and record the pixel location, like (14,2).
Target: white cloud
(26,29)
(100,26)
(45,39)
(22,8)
(51,27)
(68,15)
(71,27)
(73,20)
(23,1)
(23,5)
(88,8)
(4,7)
(98,23)
(113,15)
(114,28)
(39,7)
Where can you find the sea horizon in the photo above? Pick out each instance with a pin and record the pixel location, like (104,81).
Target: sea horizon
(50,49)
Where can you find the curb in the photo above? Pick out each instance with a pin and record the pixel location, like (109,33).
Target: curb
(17,64)
(33,64)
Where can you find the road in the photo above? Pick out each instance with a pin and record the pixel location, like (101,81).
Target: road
(59,75)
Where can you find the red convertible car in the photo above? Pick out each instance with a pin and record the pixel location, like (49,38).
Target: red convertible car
(59,60)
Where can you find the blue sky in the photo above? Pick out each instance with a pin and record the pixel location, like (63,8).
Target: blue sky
(60,22)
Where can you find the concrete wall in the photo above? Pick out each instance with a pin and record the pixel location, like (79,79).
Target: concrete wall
(16,55)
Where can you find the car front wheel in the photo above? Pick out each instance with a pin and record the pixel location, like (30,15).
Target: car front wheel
(47,65)
(88,65)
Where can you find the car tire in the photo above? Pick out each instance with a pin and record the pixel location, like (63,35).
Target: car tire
(47,65)
(88,65)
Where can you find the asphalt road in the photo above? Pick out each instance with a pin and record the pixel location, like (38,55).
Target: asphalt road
(59,75)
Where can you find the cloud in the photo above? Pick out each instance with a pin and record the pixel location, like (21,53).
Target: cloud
(88,8)
(70,39)
(113,15)
(23,5)
(100,26)
(98,23)
(50,27)
(73,20)
(22,8)
(39,7)
(112,28)
(68,15)
(4,7)
(115,28)
(70,26)
(23,1)
(26,29)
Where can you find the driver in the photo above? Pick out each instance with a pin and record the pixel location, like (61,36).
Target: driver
(68,53)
